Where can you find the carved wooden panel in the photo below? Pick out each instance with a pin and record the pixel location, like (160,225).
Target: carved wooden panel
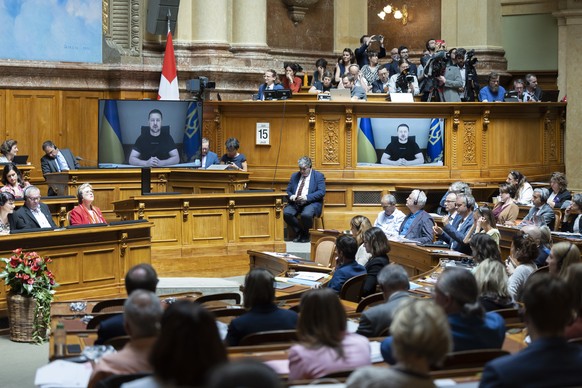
(469,143)
(331,142)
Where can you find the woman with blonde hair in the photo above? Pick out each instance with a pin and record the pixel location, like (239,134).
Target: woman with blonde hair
(492,283)
(562,255)
(325,346)
(85,212)
(358,225)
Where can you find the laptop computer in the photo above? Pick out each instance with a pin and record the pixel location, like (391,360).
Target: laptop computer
(20,159)
(340,94)
(217,167)
(550,95)
(401,97)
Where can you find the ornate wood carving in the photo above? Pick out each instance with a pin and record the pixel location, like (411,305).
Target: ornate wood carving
(123,247)
(469,148)
(311,118)
(331,141)
(456,119)
(231,209)
(141,211)
(278,207)
(185,208)
(486,115)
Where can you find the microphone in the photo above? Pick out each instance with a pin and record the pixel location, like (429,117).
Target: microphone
(81,159)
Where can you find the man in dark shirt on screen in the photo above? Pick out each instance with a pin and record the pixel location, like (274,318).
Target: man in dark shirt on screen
(402,150)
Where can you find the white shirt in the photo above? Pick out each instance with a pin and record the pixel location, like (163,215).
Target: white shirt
(390,224)
(305,190)
(40,218)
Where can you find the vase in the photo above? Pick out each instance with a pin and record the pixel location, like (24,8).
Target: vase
(21,318)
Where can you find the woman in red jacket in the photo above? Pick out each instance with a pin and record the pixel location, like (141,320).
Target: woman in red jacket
(85,212)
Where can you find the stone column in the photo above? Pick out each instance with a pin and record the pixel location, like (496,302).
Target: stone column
(249,27)
(209,25)
(350,22)
(569,81)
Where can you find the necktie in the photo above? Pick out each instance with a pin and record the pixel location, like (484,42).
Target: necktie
(62,162)
(300,189)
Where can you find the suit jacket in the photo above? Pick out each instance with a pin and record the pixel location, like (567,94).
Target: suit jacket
(211,158)
(25,219)
(379,317)
(421,228)
(455,237)
(49,164)
(561,197)
(546,214)
(568,226)
(260,318)
(110,328)
(547,362)
(316,190)
(344,273)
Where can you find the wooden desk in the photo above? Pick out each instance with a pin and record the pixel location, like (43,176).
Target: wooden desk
(279,263)
(87,262)
(112,185)
(208,235)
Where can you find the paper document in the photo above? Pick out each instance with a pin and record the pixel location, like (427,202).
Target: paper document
(62,373)
(312,276)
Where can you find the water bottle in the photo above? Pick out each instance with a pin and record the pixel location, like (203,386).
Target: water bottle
(60,340)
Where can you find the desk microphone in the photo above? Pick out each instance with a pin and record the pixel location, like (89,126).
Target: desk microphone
(81,159)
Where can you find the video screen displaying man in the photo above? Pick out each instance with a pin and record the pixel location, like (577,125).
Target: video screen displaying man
(154,148)
(402,150)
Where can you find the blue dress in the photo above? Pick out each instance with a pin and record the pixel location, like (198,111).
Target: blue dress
(237,160)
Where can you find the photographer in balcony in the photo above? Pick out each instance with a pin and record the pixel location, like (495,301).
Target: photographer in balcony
(403,82)
(466,63)
(361,53)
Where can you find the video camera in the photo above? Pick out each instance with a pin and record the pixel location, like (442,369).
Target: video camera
(197,85)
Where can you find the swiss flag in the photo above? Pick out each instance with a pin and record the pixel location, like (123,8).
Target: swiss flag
(169,81)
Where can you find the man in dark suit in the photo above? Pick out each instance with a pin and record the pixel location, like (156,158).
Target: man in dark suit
(418,224)
(139,277)
(549,361)
(541,213)
(454,233)
(34,214)
(393,281)
(306,190)
(207,158)
(56,160)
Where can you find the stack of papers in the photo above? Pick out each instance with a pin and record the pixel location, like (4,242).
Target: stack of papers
(62,373)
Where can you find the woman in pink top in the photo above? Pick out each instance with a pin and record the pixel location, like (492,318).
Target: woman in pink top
(325,346)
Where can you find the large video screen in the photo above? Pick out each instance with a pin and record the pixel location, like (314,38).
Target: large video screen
(149,133)
(400,141)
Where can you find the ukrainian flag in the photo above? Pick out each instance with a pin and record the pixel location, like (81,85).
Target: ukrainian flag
(192,132)
(110,143)
(434,148)
(366,147)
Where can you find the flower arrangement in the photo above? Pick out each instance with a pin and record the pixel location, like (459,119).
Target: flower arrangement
(28,275)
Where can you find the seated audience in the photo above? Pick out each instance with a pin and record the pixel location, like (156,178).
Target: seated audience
(324,345)
(492,283)
(549,361)
(518,89)
(506,210)
(142,312)
(450,206)
(483,247)
(541,213)
(320,70)
(520,264)
(359,80)
(234,159)
(402,149)
(13,182)
(378,247)
(207,158)
(538,234)
(394,283)
(403,55)
(524,193)
(139,277)
(472,328)
(573,215)
(421,338)
(291,81)
(271,83)
(187,350)
(454,231)
(8,150)
(262,313)
(381,84)
(358,225)
(389,219)
(483,222)
(247,373)
(34,214)
(457,187)
(323,86)
(418,224)
(533,93)
(85,212)
(343,63)
(573,279)
(370,71)
(404,81)
(346,267)
(305,192)
(493,91)
(562,255)
(7,206)
(357,92)
(559,194)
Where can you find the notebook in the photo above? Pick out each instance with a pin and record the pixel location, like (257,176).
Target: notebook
(401,97)
(217,167)
(20,159)
(340,94)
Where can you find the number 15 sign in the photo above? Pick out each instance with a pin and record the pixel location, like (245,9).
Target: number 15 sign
(263,134)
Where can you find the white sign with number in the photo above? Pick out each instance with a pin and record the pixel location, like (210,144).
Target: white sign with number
(263,134)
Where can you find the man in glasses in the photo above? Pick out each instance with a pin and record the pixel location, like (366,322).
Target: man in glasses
(34,214)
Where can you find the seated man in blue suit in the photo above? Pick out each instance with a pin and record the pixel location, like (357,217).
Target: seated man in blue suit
(139,277)
(549,361)
(418,224)
(306,190)
(454,231)
(347,267)
(207,158)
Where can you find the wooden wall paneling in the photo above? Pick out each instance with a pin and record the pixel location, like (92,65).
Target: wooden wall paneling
(100,265)
(207,227)
(6,132)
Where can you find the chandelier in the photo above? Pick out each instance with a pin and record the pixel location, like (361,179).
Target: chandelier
(399,14)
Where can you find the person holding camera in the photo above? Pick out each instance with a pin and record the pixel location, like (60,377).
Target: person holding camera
(403,53)
(362,51)
(466,63)
(403,82)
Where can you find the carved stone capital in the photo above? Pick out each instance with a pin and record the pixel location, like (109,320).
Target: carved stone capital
(298,9)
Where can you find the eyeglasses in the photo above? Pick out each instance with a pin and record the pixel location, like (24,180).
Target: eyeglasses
(34,199)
